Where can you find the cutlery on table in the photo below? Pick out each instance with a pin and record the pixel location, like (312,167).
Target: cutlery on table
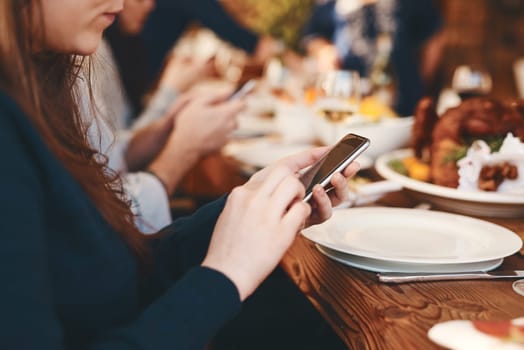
(363,194)
(398,277)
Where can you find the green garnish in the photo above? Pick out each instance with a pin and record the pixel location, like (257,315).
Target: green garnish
(398,166)
(456,155)
(494,143)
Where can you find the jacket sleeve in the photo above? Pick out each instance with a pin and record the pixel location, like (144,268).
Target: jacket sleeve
(184,243)
(186,316)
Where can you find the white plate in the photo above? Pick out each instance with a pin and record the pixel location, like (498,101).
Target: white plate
(378,265)
(414,236)
(489,204)
(261,152)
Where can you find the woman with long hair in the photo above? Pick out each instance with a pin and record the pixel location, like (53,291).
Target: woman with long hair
(75,271)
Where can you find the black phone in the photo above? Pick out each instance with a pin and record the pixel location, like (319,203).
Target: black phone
(336,160)
(243,90)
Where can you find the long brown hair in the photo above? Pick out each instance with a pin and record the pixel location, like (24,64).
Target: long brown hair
(43,85)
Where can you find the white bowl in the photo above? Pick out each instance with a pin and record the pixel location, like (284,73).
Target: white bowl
(386,135)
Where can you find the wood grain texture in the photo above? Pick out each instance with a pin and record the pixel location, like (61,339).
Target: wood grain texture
(367,314)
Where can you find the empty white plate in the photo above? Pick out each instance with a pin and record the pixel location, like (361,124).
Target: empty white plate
(377,265)
(414,236)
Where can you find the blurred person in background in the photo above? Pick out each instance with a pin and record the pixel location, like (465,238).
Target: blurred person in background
(124,47)
(382,40)
(152,160)
(168,21)
(77,273)
(167,139)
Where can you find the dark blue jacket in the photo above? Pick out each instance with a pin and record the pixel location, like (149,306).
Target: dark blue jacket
(70,282)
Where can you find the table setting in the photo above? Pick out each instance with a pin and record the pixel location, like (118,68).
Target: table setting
(404,255)
(370,243)
(396,250)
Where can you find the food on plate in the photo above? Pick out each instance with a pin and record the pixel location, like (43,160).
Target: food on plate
(506,329)
(412,167)
(478,145)
(479,335)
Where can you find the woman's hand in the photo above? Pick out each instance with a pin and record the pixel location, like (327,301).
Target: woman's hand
(181,73)
(261,219)
(322,203)
(207,122)
(256,227)
(202,125)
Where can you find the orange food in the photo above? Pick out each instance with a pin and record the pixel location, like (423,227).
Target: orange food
(419,171)
(501,329)
(310,95)
(416,169)
(409,161)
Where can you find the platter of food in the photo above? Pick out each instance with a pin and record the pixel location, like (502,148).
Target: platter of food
(478,203)
(469,160)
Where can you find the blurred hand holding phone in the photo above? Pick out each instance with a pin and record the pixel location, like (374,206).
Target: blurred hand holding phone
(243,90)
(335,160)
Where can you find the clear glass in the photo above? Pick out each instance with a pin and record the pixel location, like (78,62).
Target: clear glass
(471,81)
(338,95)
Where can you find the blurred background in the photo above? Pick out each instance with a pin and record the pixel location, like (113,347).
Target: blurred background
(485,33)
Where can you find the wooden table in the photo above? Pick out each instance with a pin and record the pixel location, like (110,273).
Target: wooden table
(367,314)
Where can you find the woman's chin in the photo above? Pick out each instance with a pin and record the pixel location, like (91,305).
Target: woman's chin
(87,47)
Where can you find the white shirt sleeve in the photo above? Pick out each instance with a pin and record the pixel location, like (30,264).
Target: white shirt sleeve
(159,105)
(150,201)
(107,134)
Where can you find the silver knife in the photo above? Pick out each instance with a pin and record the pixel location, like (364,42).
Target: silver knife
(400,277)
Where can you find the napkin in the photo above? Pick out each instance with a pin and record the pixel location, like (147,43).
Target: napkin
(479,335)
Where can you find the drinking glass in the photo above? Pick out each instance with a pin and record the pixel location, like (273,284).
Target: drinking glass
(338,95)
(470,81)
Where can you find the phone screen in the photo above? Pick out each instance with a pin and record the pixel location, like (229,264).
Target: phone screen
(336,160)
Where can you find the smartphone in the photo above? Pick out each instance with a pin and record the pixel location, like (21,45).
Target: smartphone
(336,160)
(243,90)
